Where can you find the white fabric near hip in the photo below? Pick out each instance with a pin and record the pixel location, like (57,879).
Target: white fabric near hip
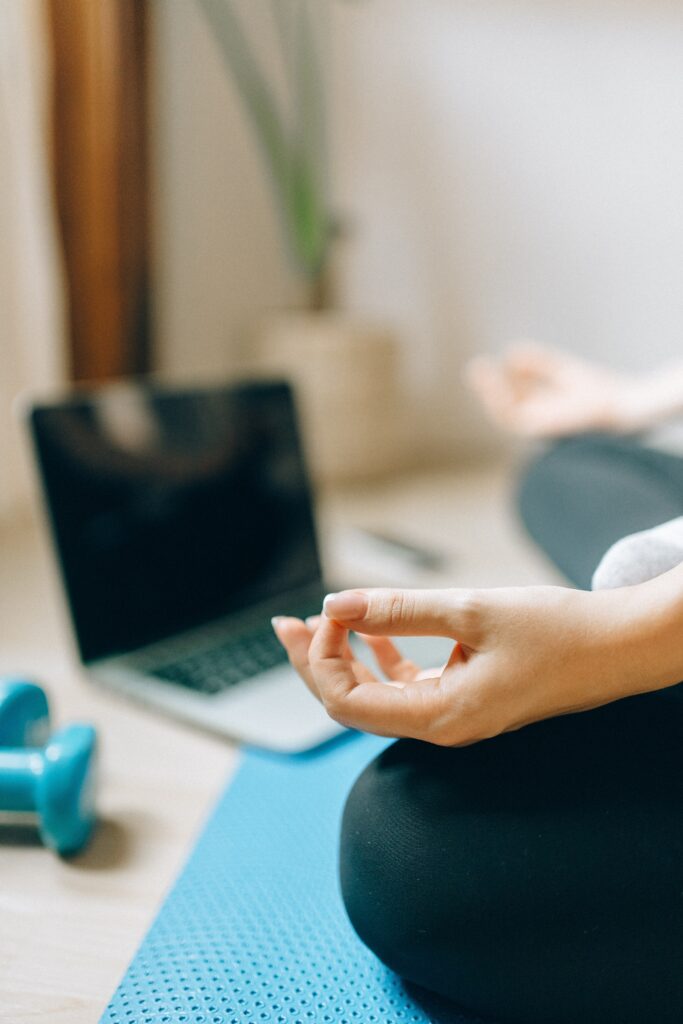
(641,556)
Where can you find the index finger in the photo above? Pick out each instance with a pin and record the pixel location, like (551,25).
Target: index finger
(381,611)
(411,709)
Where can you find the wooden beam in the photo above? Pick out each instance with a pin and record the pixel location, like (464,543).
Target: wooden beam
(100,171)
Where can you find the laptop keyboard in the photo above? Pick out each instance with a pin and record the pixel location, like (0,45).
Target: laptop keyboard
(217,668)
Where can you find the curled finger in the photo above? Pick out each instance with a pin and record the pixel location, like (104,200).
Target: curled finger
(390,659)
(295,637)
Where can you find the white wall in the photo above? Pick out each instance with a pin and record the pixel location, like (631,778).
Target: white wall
(512,167)
(218,253)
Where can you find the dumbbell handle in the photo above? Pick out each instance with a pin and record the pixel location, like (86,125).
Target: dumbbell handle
(18,772)
(57,783)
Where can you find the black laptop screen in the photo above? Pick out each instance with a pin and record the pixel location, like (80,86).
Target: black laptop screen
(170,509)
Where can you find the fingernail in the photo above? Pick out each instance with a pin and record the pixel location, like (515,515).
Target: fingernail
(276,620)
(312,621)
(350,604)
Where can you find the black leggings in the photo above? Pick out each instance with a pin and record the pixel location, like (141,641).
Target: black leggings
(537,878)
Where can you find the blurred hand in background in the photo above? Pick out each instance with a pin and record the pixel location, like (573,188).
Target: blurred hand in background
(540,392)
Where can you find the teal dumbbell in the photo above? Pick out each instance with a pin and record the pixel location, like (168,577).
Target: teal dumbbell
(24,714)
(57,783)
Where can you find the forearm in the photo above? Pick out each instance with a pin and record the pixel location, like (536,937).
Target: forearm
(655,397)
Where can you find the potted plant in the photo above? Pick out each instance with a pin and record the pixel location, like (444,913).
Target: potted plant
(345,370)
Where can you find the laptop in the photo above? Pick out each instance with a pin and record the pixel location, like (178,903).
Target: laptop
(182,521)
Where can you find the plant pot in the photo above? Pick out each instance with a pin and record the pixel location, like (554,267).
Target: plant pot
(345,376)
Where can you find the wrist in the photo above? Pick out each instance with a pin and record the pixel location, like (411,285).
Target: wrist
(638,405)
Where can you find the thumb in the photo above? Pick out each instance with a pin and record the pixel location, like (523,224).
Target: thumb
(447,613)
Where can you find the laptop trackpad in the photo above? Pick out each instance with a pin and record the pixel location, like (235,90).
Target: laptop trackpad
(275,710)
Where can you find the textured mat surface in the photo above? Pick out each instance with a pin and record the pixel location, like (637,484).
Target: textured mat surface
(254,929)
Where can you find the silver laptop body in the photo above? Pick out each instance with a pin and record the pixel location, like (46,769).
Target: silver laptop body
(182,521)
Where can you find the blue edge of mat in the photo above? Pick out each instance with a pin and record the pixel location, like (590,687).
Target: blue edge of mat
(254,929)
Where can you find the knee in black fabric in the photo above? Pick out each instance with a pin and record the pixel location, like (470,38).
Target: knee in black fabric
(532,879)
(391,863)
(424,878)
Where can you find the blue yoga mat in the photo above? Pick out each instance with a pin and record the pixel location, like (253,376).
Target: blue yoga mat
(254,929)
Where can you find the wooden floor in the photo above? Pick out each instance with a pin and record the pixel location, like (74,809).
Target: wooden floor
(69,928)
